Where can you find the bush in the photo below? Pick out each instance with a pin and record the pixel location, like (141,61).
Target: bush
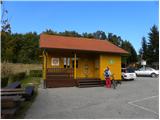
(35,73)
(4,81)
(18,76)
(6,70)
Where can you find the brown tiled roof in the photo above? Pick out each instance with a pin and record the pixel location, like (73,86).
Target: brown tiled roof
(75,43)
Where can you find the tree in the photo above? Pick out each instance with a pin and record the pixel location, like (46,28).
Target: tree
(70,33)
(50,32)
(100,35)
(153,45)
(143,50)
(114,39)
(132,58)
(87,35)
(6,51)
(28,48)
(5,25)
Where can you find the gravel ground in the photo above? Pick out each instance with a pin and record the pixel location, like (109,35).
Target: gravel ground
(132,99)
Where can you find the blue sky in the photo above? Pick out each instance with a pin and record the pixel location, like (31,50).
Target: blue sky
(130,20)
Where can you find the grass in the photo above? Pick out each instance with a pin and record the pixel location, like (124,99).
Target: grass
(31,81)
(19,67)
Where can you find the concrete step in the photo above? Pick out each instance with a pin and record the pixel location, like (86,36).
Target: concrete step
(84,86)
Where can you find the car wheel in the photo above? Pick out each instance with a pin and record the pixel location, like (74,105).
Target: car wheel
(153,75)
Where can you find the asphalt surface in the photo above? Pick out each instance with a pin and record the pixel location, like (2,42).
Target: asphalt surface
(131,100)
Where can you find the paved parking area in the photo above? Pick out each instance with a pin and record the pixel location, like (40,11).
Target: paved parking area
(132,99)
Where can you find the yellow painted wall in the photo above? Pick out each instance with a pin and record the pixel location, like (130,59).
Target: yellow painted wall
(113,62)
(61,63)
(96,65)
(83,64)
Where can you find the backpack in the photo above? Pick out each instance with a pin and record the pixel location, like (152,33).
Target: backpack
(106,73)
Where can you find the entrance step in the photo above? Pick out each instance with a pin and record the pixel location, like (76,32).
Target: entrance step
(89,83)
(84,86)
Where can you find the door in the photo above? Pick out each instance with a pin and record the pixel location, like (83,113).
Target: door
(86,70)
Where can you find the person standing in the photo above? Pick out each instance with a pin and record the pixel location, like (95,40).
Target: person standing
(107,74)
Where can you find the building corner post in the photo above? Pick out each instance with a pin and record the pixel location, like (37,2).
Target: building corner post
(44,68)
(75,66)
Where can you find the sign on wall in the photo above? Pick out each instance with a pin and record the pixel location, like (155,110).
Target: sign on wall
(55,62)
(111,61)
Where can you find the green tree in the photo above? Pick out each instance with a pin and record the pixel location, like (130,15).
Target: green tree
(50,32)
(87,35)
(28,48)
(114,39)
(100,35)
(143,51)
(5,25)
(6,51)
(153,45)
(70,33)
(126,45)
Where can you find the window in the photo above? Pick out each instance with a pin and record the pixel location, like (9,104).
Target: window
(65,62)
(68,63)
(149,69)
(142,69)
(55,61)
(130,70)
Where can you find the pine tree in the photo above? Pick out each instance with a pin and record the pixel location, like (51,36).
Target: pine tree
(132,58)
(143,50)
(153,45)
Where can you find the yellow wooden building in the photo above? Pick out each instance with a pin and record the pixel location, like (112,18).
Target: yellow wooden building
(67,61)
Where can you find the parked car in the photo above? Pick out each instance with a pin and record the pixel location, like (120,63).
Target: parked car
(128,74)
(147,71)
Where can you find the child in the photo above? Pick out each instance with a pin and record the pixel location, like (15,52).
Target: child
(107,74)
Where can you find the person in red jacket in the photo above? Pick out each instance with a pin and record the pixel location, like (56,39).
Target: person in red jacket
(107,74)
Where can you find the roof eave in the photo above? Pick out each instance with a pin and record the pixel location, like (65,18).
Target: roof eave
(122,53)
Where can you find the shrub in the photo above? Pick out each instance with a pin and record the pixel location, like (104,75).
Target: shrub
(6,70)
(35,73)
(4,81)
(18,76)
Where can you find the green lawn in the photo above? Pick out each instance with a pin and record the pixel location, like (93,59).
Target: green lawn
(31,81)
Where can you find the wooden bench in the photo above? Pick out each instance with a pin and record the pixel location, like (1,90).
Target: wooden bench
(9,105)
(29,92)
(11,99)
(12,90)
(8,113)
(14,98)
(16,84)
(12,93)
